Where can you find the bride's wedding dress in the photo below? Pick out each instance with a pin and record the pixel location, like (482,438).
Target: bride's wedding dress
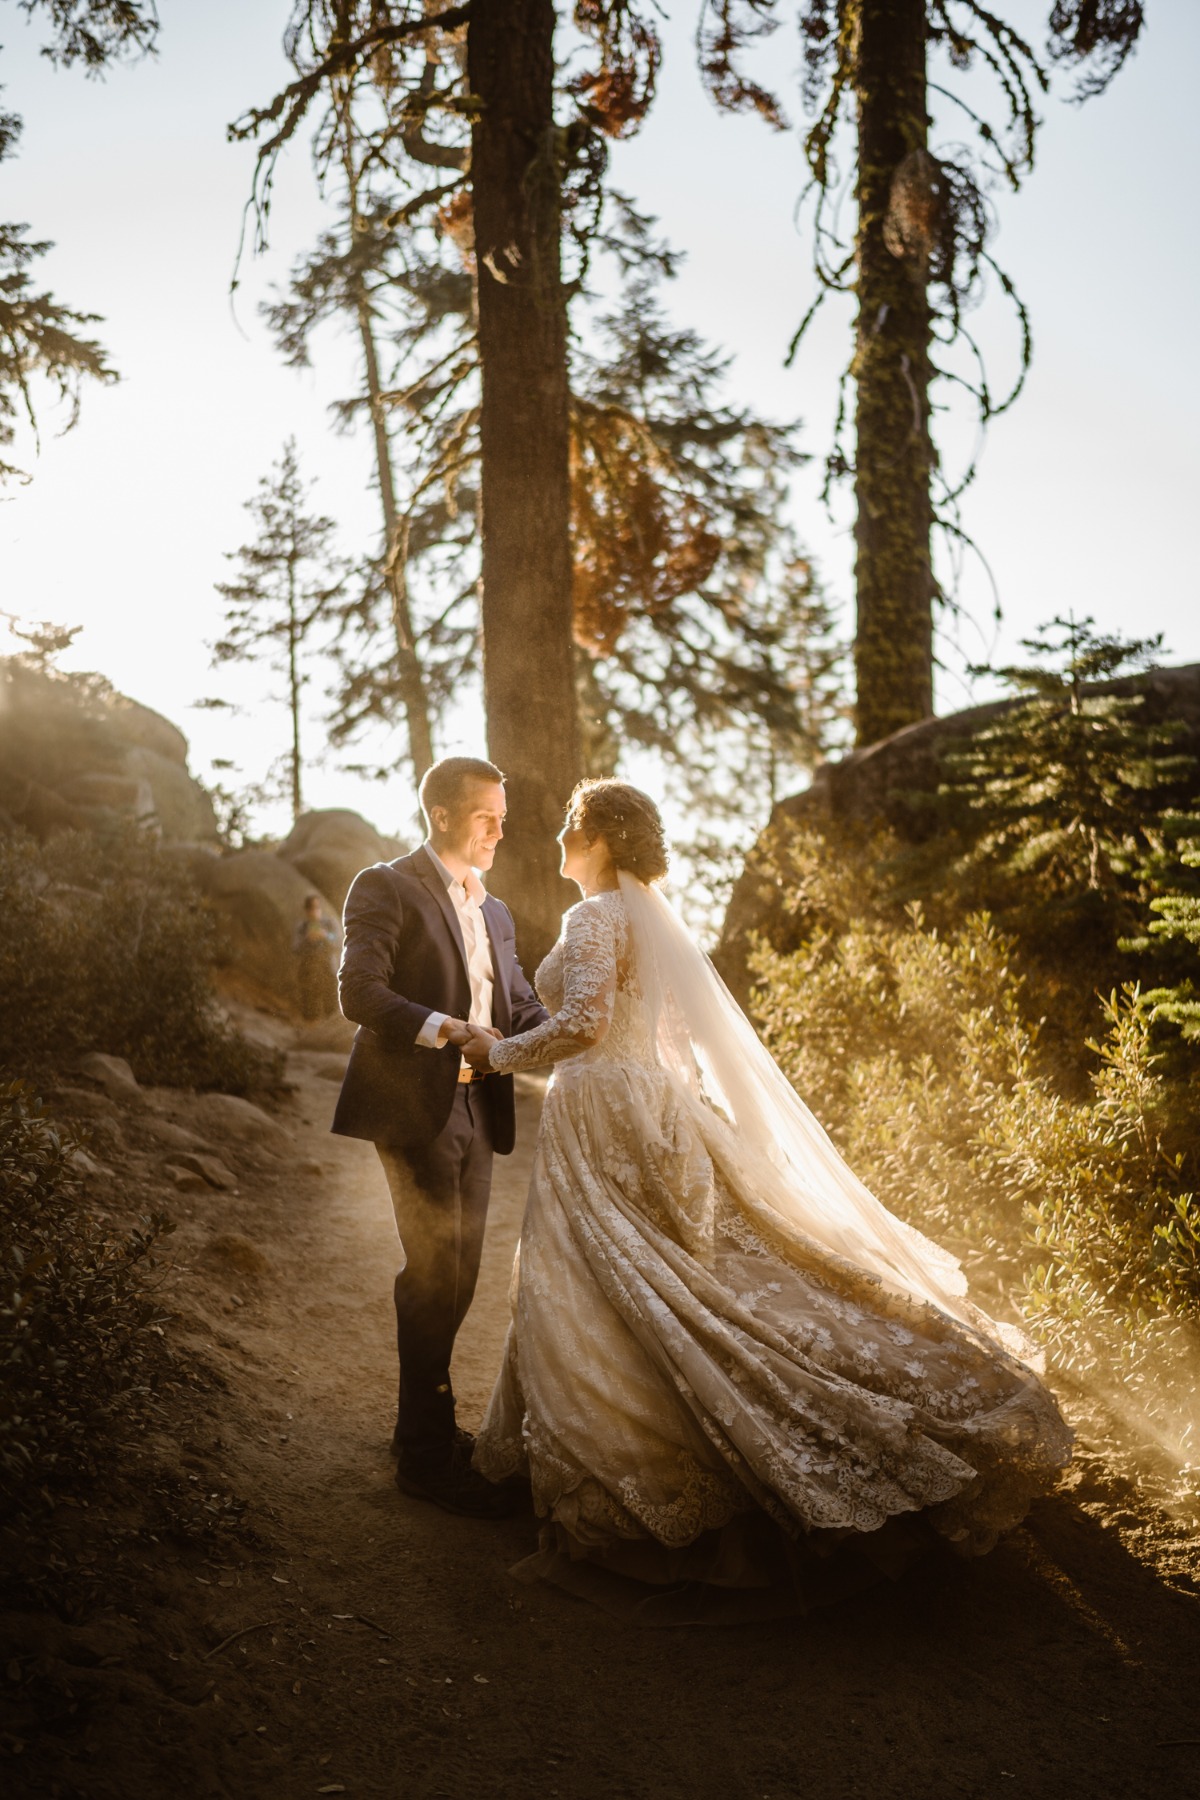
(714,1324)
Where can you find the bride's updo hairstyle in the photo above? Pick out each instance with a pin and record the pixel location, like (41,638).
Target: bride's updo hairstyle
(627,820)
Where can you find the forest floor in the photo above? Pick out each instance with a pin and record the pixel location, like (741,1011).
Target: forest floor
(306,1629)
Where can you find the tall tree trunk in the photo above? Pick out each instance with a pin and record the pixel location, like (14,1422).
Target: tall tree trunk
(410,677)
(528,663)
(893,650)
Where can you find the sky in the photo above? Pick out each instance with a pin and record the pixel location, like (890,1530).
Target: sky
(1085,498)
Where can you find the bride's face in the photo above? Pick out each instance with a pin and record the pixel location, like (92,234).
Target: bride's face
(583,861)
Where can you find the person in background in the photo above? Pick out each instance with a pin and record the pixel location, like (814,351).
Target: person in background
(315,944)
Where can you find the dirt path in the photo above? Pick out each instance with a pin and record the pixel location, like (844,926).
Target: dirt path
(387,1652)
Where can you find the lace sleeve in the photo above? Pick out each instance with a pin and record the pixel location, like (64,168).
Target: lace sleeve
(589,973)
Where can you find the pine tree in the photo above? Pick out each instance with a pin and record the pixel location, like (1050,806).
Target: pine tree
(918,259)
(290,580)
(1055,815)
(1061,787)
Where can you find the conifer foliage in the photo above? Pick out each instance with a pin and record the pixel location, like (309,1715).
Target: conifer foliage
(41,340)
(1057,817)
(290,579)
(1177,928)
(1063,789)
(39,337)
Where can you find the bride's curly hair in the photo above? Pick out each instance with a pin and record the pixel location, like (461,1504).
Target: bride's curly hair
(628,821)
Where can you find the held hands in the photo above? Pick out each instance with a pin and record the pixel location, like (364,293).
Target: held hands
(478,1046)
(475,1041)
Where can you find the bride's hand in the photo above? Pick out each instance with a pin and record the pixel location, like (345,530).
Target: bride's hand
(477,1048)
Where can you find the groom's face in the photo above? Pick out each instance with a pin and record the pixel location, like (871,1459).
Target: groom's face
(475,824)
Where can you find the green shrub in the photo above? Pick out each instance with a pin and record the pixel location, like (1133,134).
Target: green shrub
(80,1331)
(914,1047)
(107,946)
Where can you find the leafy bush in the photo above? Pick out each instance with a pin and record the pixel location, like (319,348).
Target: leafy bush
(915,1048)
(80,1333)
(107,946)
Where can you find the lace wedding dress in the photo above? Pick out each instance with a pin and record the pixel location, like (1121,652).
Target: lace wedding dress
(697,1348)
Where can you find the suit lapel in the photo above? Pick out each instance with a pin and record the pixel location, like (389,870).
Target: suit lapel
(437,888)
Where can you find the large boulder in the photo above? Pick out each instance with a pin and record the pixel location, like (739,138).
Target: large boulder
(147,730)
(876,786)
(260,894)
(330,847)
(74,752)
(260,897)
(182,809)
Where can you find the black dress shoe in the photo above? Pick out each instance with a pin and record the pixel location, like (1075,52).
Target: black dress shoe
(463,1442)
(454,1486)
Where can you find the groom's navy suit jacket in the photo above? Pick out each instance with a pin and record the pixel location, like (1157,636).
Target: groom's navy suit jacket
(403,958)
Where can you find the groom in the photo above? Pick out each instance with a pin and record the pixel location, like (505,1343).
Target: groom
(429,963)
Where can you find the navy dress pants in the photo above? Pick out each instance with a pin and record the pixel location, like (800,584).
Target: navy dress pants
(440,1193)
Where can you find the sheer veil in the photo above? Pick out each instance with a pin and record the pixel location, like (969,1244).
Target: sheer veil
(713,1058)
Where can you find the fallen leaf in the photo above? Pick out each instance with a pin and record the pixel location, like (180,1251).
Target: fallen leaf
(482,1678)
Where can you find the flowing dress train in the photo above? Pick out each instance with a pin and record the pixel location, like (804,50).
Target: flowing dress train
(696,1388)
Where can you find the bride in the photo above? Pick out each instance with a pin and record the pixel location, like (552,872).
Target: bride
(728,1365)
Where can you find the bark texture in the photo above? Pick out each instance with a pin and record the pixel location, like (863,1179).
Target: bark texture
(893,650)
(528,665)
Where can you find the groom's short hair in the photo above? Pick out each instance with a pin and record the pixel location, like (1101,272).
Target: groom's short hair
(446,782)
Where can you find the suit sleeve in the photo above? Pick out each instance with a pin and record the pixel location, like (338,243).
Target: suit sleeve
(373,924)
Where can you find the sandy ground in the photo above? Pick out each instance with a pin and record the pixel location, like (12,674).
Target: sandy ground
(384,1649)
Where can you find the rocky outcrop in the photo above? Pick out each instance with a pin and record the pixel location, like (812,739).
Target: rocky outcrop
(260,898)
(75,753)
(876,785)
(260,895)
(329,848)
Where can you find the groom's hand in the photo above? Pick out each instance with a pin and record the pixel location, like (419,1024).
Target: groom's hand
(478,1045)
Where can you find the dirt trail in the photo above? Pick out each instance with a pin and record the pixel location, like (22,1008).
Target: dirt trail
(387,1652)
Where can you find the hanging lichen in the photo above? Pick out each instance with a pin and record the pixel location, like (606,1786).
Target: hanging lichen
(916,260)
